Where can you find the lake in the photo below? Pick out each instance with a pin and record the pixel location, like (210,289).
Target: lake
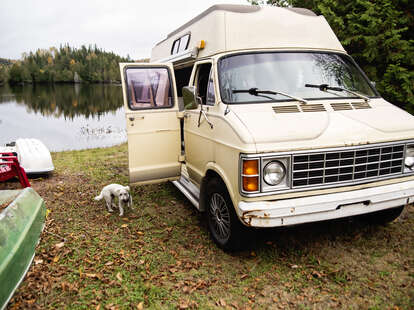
(63,116)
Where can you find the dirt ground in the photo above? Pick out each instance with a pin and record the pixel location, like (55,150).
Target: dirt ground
(160,254)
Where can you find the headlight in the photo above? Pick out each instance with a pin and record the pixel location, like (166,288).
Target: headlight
(409,158)
(274,172)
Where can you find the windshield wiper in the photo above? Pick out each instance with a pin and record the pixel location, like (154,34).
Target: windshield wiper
(258,92)
(325,87)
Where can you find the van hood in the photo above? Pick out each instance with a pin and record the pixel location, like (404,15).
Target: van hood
(285,127)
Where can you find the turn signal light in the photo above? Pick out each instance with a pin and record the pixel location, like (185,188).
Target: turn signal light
(251,184)
(250,175)
(251,167)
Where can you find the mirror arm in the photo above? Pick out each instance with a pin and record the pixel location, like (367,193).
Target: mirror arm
(205,116)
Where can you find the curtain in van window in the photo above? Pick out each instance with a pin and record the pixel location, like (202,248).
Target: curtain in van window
(148,88)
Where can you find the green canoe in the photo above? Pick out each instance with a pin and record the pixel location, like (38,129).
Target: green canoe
(22,218)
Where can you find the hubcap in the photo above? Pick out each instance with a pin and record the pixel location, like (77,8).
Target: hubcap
(220,217)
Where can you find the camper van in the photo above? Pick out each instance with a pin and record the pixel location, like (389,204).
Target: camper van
(261,119)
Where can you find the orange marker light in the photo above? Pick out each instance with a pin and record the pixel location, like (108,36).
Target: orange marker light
(202,44)
(250,184)
(251,167)
(250,175)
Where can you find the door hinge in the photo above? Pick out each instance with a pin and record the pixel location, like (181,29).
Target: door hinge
(180,115)
(181,158)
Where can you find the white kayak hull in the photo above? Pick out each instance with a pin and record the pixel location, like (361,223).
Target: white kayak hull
(33,155)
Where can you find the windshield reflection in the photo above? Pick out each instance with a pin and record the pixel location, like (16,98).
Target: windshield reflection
(289,72)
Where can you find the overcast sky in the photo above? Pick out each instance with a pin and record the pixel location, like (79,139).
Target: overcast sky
(122,26)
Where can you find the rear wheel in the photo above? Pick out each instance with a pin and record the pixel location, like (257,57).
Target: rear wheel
(224,225)
(383,217)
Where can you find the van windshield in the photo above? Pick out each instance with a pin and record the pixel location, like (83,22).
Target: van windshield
(289,72)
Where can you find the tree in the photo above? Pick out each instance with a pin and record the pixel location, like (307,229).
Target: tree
(3,74)
(378,34)
(88,64)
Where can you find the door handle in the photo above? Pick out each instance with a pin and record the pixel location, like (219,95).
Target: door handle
(131,118)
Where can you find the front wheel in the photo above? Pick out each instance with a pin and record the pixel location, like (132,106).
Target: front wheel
(225,227)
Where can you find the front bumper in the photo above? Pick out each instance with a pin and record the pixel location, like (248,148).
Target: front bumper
(325,207)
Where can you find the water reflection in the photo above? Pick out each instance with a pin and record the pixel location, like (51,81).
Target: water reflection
(65,99)
(63,116)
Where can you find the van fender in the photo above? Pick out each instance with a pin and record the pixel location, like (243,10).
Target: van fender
(213,170)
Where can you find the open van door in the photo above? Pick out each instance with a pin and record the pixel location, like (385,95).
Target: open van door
(153,126)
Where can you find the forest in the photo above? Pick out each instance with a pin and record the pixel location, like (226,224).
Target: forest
(379,35)
(88,64)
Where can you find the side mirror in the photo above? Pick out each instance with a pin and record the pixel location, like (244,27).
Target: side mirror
(190,98)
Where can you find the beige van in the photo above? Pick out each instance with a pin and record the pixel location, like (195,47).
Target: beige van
(261,119)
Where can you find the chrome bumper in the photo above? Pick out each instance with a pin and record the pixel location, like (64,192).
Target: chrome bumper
(325,207)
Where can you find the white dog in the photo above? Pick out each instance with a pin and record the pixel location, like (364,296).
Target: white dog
(111,191)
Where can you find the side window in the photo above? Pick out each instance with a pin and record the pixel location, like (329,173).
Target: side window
(148,88)
(181,44)
(211,96)
(184,42)
(202,78)
(174,49)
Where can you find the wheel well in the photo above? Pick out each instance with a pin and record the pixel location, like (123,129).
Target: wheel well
(210,174)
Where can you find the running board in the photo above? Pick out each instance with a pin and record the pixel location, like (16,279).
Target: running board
(189,190)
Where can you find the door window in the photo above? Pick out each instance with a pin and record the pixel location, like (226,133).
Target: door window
(204,84)
(211,97)
(148,88)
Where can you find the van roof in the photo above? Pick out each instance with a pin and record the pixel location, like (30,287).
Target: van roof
(228,27)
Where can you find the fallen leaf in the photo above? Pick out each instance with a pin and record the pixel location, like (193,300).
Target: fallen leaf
(124,225)
(140,306)
(140,233)
(294,266)
(316,274)
(109,263)
(59,245)
(56,259)
(235,305)
(98,307)
(183,304)
(38,261)
(118,276)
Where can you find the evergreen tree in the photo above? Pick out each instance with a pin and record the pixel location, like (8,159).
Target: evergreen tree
(378,34)
(89,64)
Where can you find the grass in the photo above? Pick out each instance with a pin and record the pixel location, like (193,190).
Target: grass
(160,254)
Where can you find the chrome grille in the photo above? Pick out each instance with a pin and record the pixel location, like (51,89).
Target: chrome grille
(347,165)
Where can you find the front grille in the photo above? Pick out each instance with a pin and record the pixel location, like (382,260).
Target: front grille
(348,165)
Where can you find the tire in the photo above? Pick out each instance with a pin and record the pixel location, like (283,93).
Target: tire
(383,217)
(225,227)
